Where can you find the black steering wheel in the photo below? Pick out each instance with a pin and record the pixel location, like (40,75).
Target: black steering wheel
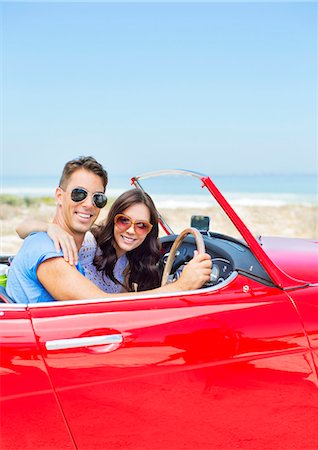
(177,243)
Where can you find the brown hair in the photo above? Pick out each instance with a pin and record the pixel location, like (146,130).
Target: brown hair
(143,261)
(83,162)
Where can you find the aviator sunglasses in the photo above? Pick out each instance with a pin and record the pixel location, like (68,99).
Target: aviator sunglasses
(141,227)
(79,194)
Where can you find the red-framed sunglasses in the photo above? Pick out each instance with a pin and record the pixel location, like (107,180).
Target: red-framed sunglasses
(141,227)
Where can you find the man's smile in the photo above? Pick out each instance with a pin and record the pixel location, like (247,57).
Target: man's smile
(84,216)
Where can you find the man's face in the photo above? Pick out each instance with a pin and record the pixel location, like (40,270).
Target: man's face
(77,218)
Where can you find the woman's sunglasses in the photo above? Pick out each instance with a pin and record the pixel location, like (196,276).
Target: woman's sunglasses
(79,194)
(141,227)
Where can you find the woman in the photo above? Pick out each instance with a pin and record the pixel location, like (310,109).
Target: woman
(122,254)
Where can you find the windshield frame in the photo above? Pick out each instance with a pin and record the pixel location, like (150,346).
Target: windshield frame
(279,278)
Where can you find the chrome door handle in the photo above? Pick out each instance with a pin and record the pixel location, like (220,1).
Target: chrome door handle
(60,344)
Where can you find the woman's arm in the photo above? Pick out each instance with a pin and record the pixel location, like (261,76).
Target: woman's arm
(62,239)
(29,226)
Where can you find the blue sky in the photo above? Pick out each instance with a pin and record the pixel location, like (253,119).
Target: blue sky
(219,88)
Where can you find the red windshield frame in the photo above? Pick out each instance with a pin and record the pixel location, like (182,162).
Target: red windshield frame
(280,278)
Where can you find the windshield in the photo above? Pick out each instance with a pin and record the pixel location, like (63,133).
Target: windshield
(183,200)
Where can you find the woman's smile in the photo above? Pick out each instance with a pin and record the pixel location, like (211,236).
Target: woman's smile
(130,240)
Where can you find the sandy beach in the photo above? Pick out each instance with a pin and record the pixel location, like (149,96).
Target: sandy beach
(298,220)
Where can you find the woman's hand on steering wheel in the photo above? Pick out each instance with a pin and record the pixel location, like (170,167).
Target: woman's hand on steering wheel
(198,271)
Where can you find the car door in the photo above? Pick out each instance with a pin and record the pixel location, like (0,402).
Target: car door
(214,369)
(307,305)
(29,412)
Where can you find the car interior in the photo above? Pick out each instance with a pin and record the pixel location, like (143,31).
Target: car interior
(230,257)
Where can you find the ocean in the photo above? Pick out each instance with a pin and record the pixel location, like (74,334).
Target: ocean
(271,190)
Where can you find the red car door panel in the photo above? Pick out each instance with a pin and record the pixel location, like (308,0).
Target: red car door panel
(308,310)
(207,370)
(29,412)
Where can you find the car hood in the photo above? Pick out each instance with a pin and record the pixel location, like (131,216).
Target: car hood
(297,257)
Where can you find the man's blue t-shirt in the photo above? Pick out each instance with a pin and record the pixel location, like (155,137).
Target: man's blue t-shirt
(23,285)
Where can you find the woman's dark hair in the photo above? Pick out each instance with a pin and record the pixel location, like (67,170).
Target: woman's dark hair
(143,260)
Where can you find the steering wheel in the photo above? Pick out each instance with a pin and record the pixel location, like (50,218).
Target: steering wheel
(199,244)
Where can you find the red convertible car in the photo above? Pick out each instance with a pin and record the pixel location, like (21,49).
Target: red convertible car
(231,365)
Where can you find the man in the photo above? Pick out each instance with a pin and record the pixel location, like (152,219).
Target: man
(39,273)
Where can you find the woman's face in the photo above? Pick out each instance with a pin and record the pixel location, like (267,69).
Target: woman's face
(128,240)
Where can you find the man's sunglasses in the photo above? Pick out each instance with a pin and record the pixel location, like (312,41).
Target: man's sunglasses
(141,227)
(79,194)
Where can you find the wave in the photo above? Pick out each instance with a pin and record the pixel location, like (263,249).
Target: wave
(235,199)
(186,201)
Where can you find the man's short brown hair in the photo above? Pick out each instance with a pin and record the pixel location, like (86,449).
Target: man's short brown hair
(83,162)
